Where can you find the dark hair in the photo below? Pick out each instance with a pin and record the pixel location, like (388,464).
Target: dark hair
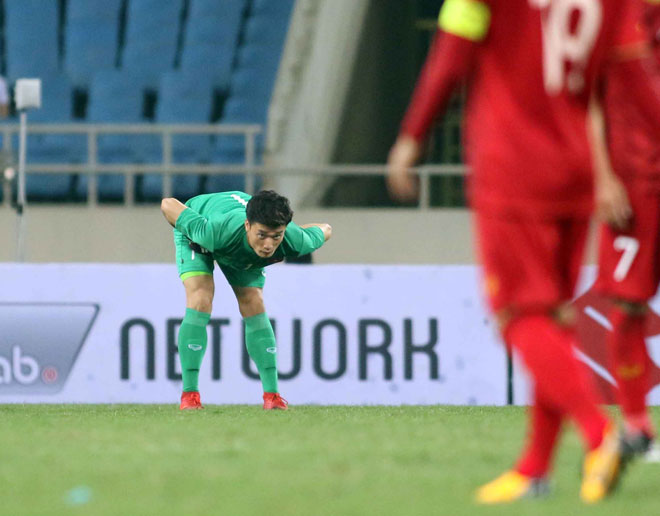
(269,208)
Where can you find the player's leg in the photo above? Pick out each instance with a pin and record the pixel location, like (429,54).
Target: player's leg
(533,265)
(192,332)
(526,273)
(602,463)
(528,479)
(196,272)
(629,271)
(545,423)
(260,342)
(547,351)
(259,335)
(630,364)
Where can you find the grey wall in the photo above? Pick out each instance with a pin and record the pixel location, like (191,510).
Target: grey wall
(140,234)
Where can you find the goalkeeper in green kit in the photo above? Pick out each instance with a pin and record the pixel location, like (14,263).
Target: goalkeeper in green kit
(243,234)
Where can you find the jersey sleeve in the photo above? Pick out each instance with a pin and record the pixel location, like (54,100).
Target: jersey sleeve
(304,240)
(197,228)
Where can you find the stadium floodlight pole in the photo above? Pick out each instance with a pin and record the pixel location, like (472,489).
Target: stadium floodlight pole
(28,96)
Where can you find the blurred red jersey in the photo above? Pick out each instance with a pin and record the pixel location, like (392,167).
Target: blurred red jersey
(651,20)
(631,101)
(530,80)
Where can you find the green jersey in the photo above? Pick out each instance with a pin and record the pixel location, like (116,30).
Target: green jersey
(216,222)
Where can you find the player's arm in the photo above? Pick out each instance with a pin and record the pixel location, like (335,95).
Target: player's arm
(462,25)
(326,228)
(171,209)
(612,203)
(307,238)
(194,226)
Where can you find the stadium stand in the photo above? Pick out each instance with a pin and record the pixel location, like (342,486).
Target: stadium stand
(31,36)
(183,98)
(152,29)
(57,106)
(278,11)
(251,83)
(211,38)
(107,61)
(117,96)
(91,38)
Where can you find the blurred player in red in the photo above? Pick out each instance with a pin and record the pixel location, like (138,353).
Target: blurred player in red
(629,205)
(531,66)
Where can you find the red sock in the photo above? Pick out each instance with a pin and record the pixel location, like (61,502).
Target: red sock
(544,428)
(630,365)
(559,379)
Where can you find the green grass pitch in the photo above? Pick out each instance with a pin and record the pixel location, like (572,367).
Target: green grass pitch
(239,460)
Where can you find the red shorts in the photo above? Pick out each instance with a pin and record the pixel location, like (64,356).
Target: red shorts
(529,263)
(629,261)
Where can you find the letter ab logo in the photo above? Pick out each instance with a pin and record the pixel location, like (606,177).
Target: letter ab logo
(39,344)
(21,368)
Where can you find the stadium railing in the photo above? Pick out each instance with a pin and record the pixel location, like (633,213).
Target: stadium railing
(167,167)
(92,167)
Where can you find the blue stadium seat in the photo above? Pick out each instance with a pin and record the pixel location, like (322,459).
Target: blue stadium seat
(186,98)
(265,33)
(230,149)
(107,10)
(245,109)
(214,59)
(183,98)
(211,38)
(56,107)
(256,73)
(31,38)
(214,21)
(117,97)
(265,30)
(91,38)
(151,37)
(253,83)
(260,56)
(238,110)
(275,10)
(251,90)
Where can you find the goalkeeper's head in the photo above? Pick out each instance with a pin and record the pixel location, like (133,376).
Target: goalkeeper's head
(268,214)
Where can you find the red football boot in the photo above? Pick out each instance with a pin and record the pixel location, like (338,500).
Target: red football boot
(273,401)
(190,401)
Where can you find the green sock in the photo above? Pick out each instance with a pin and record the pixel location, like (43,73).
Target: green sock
(261,346)
(192,345)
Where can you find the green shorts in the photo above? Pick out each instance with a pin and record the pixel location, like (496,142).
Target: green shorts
(190,263)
